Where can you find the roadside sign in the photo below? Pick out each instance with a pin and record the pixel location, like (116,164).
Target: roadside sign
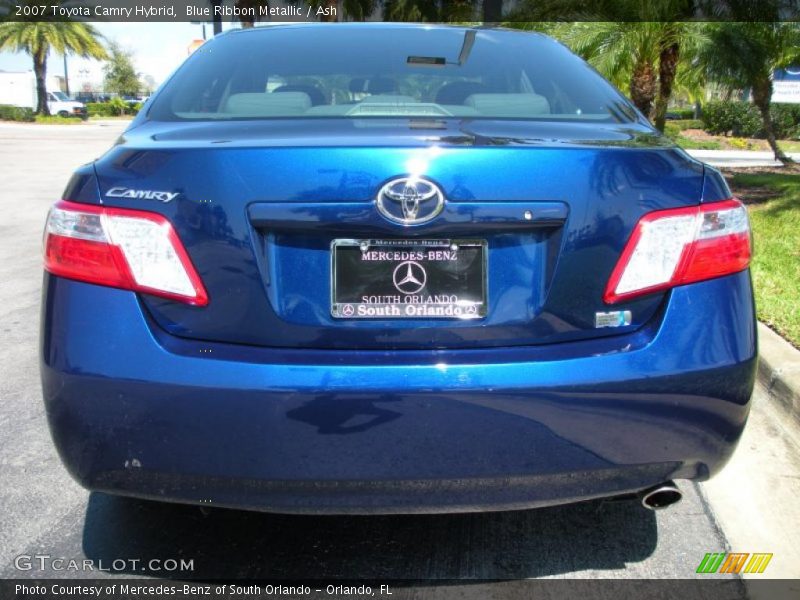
(786,85)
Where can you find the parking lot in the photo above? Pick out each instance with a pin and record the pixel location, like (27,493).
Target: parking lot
(42,511)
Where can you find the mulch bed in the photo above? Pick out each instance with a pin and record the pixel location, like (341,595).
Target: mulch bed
(756,194)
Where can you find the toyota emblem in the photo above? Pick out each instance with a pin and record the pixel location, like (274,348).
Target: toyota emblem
(410,200)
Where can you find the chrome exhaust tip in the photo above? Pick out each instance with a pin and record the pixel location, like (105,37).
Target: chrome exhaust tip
(661,496)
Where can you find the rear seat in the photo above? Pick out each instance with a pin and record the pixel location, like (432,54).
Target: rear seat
(267,105)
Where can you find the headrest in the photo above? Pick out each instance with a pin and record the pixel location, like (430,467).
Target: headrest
(457,92)
(357,85)
(381,85)
(509,105)
(314,93)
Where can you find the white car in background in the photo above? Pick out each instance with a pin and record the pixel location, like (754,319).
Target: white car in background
(62,105)
(19,89)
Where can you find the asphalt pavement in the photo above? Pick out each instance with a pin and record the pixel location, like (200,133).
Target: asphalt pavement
(43,512)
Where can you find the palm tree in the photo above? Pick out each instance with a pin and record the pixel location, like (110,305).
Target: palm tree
(744,55)
(678,62)
(450,11)
(492,11)
(359,10)
(625,53)
(649,58)
(37,38)
(638,46)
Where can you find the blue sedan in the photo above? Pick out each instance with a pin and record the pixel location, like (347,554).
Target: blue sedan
(382,268)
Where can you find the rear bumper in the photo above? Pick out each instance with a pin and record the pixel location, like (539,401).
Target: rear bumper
(135,411)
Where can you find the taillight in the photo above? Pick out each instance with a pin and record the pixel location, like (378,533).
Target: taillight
(128,249)
(679,246)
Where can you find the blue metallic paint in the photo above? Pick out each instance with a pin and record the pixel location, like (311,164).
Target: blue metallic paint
(225,188)
(137,411)
(262,401)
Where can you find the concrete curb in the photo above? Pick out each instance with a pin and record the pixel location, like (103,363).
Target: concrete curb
(779,370)
(738,158)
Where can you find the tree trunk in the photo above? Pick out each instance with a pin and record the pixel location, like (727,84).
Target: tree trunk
(447,10)
(216,18)
(762,94)
(247,20)
(40,70)
(332,8)
(492,11)
(667,66)
(643,87)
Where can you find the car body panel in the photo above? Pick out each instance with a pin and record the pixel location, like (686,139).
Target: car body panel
(134,410)
(546,277)
(262,400)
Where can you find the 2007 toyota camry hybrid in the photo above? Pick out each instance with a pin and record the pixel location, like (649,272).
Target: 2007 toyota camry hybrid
(383,268)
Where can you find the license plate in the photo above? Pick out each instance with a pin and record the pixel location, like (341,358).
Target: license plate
(408,279)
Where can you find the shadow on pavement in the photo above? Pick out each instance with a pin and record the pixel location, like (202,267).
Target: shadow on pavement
(505,545)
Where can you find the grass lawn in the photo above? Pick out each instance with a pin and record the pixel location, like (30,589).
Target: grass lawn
(774,203)
(691,144)
(56,120)
(789,145)
(689,134)
(732,143)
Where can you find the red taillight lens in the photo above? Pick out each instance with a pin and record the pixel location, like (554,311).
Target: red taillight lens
(679,246)
(128,249)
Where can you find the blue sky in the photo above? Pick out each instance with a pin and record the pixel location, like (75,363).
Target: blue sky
(158,48)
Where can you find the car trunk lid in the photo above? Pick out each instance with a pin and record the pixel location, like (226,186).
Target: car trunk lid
(261,205)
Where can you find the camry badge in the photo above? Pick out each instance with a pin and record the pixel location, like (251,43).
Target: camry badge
(121,192)
(410,200)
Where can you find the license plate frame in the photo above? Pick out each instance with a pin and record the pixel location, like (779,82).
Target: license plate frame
(459,290)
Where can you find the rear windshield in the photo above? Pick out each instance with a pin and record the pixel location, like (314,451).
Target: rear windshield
(340,71)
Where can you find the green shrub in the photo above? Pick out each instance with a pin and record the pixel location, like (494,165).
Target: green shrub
(743,119)
(740,119)
(785,120)
(113,108)
(672,131)
(15,113)
(118,106)
(98,109)
(684,114)
(716,118)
